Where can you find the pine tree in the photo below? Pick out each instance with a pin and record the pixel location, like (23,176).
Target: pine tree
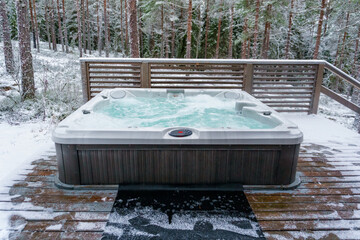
(8,51)
(32,23)
(189,25)
(79,26)
(52,26)
(36,26)
(256,28)
(60,27)
(231,30)
(65,27)
(47,22)
(318,35)
(287,46)
(266,40)
(134,38)
(106,27)
(27,72)
(218,31)
(207,23)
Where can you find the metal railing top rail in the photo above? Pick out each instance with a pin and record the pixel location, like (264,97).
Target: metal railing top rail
(219,61)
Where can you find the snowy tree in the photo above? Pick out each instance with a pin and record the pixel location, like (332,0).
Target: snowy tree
(133,26)
(8,51)
(27,72)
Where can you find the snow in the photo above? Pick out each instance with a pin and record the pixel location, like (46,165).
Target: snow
(320,129)
(20,145)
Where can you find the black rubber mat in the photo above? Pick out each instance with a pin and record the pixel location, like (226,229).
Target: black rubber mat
(182,215)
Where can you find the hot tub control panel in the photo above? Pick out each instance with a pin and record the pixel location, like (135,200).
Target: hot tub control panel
(180,133)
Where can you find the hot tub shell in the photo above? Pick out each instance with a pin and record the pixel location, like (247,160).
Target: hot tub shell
(150,156)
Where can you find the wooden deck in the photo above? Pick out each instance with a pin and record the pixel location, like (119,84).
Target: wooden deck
(39,210)
(326,204)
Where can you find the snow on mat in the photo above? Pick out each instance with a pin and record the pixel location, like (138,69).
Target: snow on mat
(182,215)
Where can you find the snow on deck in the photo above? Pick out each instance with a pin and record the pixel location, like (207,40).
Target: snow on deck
(326,204)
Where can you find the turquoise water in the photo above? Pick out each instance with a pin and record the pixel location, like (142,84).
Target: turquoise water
(200,111)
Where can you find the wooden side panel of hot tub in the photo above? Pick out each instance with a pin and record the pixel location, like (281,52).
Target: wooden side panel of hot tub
(194,164)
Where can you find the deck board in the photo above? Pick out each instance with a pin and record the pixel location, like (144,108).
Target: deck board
(327,203)
(37,209)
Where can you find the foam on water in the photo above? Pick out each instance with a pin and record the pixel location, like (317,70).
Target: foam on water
(201,111)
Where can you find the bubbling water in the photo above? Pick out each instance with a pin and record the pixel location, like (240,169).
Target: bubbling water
(201,111)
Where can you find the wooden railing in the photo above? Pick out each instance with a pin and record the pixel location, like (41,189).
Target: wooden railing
(286,85)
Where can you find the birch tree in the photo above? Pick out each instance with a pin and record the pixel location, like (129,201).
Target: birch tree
(231,30)
(106,26)
(27,72)
(8,51)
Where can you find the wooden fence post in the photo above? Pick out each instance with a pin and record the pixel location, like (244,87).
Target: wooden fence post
(85,81)
(248,78)
(317,88)
(145,75)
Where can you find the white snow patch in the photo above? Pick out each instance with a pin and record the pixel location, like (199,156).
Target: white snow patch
(56,227)
(20,145)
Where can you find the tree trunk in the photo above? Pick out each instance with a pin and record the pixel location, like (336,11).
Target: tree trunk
(218,32)
(189,25)
(83,25)
(206,28)
(78,17)
(89,32)
(231,30)
(199,33)
(47,22)
(287,46)
(106,26)
(126,29)
(327,14)
(60,27)
(173,33)
(353,70)
(32,24)
(8,51)
(266,41)
(244,44)
(162,32)
(318,35)
(121,26)
(65,27)
(141,34)
(52,26)
(339,60)
(36,27)
(134,38)
(98,28)
(27,72)
(256,28)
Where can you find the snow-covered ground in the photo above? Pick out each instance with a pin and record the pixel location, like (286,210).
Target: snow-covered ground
(25,129)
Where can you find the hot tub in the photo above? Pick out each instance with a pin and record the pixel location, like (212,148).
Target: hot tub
(176,137)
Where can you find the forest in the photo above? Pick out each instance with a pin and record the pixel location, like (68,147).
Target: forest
(256,29)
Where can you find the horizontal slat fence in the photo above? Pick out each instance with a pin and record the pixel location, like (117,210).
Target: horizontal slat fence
(287,88)
(285,85)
